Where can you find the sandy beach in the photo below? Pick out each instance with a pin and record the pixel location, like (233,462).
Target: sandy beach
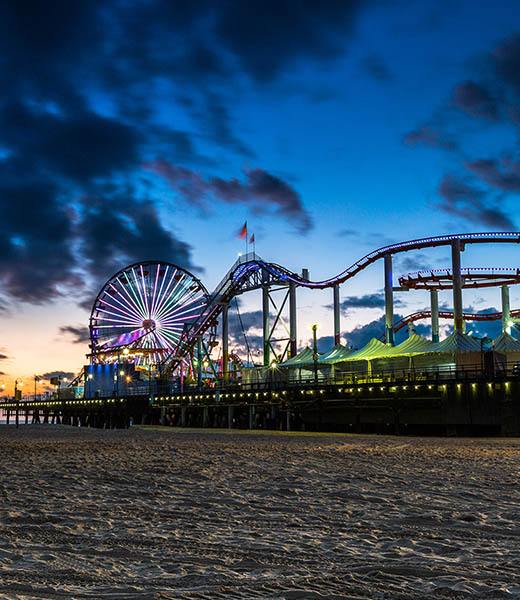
(188,514)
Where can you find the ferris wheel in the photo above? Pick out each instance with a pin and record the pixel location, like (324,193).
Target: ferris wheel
(141,312)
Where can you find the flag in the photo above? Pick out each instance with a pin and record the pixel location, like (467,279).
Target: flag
(252,240)
(242,234)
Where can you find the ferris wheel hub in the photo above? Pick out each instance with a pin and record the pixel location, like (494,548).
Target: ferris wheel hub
(148,324)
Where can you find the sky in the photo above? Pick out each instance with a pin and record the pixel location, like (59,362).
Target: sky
(154,129)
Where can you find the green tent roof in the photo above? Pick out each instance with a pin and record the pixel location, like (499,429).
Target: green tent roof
(506,343)
(306,356)
(458,342)
(415,344)
(337,354)
(374,349)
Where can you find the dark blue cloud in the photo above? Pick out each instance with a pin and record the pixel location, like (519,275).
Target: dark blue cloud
(83,83)
(461,198)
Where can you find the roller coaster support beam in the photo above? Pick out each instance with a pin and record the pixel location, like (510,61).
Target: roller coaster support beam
(506,310)
(265,321)
(336,314)
(199,362)
(292,320)
(457,285)
(389,301)
(225,342)
(434,301)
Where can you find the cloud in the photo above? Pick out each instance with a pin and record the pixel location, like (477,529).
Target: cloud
(360,336)
(268,37)
(77,145)
(428,136)
(506,59)
(464,200)
(261,190)
(376,300)
(417,262)
(80,334)
(325,343)
(3,356)
(494,99)
(114,229)
(216,121)
(62,374)
(489,172)
(375,66)
(475,100)
(92,90)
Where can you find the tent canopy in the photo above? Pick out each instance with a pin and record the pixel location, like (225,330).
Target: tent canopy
(305,357)
(374,349)
(458,342)
(415,344)
(506,343)
(337,354)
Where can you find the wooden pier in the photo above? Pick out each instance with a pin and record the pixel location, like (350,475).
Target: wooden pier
(468,407)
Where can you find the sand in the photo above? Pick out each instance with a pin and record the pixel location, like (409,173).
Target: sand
(188,514)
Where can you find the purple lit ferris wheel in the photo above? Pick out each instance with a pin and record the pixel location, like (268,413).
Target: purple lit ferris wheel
(142,311)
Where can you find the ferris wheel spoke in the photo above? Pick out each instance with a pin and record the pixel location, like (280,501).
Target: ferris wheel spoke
(112,326)
(122,324)
(133,298)
(120,310)
(138,288)
(154,296)
(143,284)
(132,288)
(161,294)
(180,309)
(172,331)
(126,301)
(173,297)
(175,302)
(164,342)
(186,317)
(169,341)
(122,318)
(168,292)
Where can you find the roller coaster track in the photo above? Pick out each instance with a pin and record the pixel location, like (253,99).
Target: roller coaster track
(250,273)
(448,314)
(442,279)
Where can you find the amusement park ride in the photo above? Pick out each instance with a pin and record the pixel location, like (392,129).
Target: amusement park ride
(158,317)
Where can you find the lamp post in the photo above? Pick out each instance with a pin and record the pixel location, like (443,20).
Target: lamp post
(18,383)
(121,371)
(315,352)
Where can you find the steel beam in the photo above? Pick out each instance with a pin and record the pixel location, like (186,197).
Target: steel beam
(199,361)
(506,310)
(457,286)
(434,302)
(336,314)
(292,320)
(389,301)
(265,320)
(225,342)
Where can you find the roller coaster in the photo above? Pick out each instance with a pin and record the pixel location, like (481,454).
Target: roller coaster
(158,313)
